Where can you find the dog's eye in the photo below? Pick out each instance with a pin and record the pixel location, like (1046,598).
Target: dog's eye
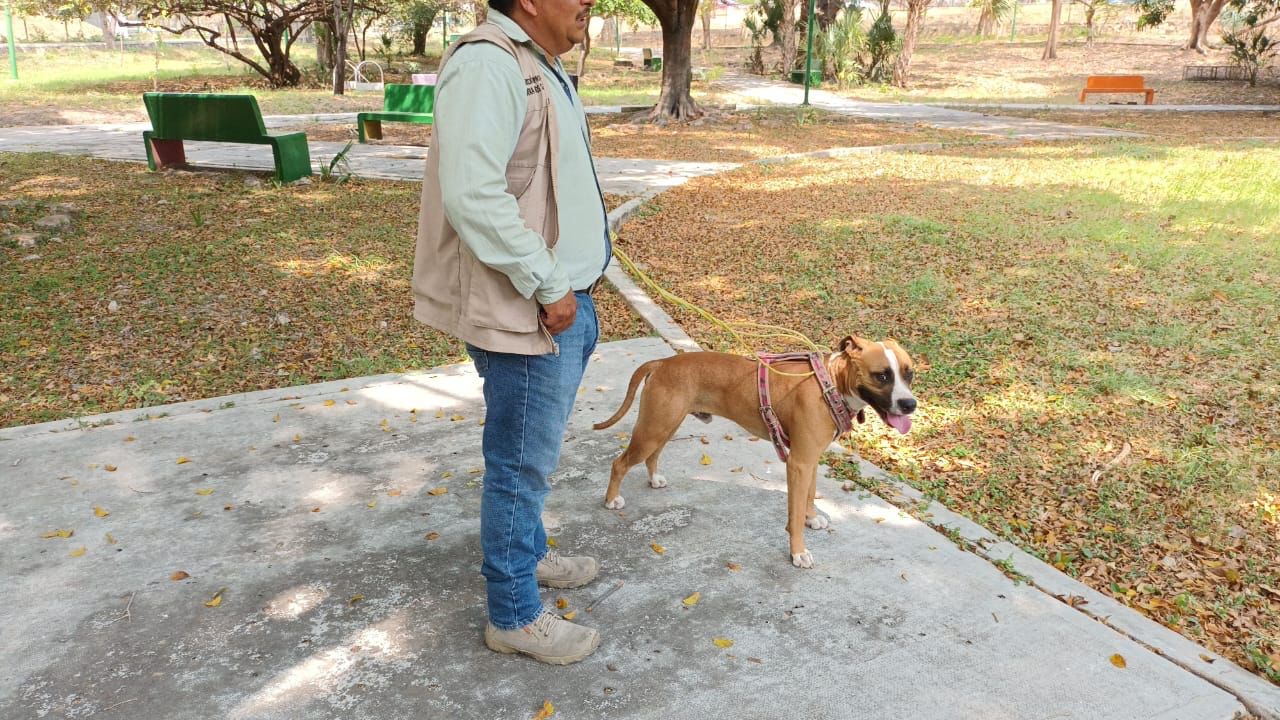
(882,376)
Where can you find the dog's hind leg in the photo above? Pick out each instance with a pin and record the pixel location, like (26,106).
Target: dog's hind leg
(654,427)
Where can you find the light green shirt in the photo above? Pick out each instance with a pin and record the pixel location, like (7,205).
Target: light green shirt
(479,109)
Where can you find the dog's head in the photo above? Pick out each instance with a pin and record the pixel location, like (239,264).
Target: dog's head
(876,374)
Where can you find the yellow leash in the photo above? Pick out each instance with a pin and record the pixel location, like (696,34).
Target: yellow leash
(738,331)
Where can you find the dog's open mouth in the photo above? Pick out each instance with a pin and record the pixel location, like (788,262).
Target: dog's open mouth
(901,423)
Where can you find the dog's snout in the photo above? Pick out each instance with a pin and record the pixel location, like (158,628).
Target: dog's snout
(907,405)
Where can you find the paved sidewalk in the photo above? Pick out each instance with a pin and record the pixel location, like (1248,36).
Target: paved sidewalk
(349,590)
(123,141)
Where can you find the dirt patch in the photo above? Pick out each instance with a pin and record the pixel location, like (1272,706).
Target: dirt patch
(1194,125)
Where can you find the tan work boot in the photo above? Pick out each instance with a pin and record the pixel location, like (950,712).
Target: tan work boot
(557,571)
(549,639)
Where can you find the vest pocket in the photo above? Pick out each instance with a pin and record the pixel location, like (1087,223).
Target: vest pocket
(491,301)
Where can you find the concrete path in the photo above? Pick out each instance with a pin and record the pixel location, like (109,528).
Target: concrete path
(349,590)
(123,141)
(758,89)
(1109,107)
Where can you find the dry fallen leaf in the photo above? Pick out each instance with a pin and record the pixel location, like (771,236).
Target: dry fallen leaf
(276,418)
(58,534)
(179,575)
(456,418)
(297,438)
(204,491)
(111,539)
(110,468)
(446,475)
(570,615)
(706,459)
(551,542)
(79,551)
(735,567)
(315,509)
(547,711)
(372,503)
(184,460)
(561,603)
(355,599)
(433,535)
(440,413)
(130,439)
(657,548)
(329,403)
(692,599)
(722,642)
(216,600)
(438,491)
(394,492)
(1118,660)
(1206,658)
(100,512)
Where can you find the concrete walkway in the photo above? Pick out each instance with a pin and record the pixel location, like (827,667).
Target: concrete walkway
(349,590)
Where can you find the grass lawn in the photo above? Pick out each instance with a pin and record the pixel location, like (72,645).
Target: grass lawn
(1197,125)
(219,288)
(1065,302)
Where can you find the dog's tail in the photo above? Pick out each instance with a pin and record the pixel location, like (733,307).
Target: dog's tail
(637,377)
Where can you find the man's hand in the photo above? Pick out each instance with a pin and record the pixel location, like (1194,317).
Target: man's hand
(559,315)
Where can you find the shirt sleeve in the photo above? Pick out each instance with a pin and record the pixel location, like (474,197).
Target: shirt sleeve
(480,108)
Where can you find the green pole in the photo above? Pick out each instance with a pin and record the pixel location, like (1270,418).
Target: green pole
(13,42)
(808,56)
(617,36)
(1013,25)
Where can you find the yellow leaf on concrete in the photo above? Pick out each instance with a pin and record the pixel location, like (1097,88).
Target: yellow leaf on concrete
(551,542)
(110,468)
(276,418)
(356,598)
(184,460)
(372,503)
(456,418)
(58,534)
(692,599)
(440,413)
(446,475)
(216,600)
(706,459)
(130,439)
(438,491)
(561,603)
(179,575)
(204,491)
(79,551)
(394,492)
(111,539)
(570,615)
(1118,660)
(657,548)
(722,642)
(329,403)
(297,437)
(433,535)
(735,567)
(547,711)
(100,512)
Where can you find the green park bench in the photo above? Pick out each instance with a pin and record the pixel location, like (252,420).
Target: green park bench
(400,103)
(217,118)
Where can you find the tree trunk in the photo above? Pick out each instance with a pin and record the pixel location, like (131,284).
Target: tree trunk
(1089,12)
(916,10)
(787,34)
(675,102)
(324,45)
(1051,45)
(419,39)
(827,12)
(340,25)
(109,26)
(986,22)
(585,51)
(704,14)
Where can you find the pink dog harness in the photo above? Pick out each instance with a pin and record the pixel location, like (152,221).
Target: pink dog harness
(835,403)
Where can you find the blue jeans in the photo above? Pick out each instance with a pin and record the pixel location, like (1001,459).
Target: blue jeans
(528,399)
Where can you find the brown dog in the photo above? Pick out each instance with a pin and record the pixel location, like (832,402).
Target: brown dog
(867,374)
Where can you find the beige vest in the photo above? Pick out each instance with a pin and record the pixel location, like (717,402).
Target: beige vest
(452,290)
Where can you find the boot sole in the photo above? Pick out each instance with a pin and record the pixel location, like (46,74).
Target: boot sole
(495,646)
(566,584)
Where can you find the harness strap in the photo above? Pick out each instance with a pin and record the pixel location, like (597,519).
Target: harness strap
(830,393)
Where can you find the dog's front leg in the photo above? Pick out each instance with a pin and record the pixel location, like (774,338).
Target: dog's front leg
(800,480)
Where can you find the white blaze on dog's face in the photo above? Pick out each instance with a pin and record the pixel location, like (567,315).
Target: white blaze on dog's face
(882,381)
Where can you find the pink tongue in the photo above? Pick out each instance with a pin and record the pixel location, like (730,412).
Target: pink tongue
(901,423)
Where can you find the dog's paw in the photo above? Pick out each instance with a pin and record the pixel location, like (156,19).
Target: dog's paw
(817,522)
(657,481)
(802,560)
(616,504)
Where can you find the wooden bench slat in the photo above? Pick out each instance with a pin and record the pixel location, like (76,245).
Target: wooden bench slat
(1117,84)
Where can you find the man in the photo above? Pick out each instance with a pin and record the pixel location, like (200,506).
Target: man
(512,239)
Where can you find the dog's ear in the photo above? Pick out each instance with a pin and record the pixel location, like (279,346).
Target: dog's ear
(852,345)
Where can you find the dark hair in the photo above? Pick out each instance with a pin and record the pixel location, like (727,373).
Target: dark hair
(503,6)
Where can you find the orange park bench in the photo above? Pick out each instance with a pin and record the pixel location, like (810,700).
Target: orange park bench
(1117,84)
(218,118)
(400,103)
